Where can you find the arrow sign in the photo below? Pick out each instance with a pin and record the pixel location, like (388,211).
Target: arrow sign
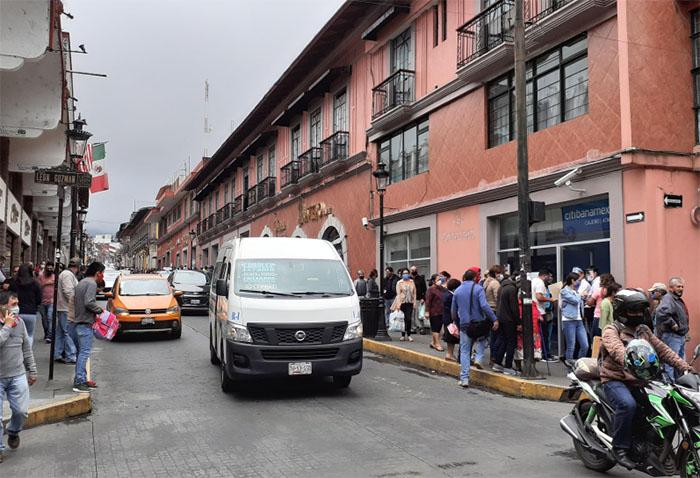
(634,217)
(673,200)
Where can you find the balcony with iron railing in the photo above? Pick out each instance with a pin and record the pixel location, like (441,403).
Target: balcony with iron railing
(289,173)
(237,205)
(309,162)
(266,188)
(335,148)
(252,197)
(396,91)
(485,42)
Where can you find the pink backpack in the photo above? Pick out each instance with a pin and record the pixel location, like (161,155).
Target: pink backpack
(105,326)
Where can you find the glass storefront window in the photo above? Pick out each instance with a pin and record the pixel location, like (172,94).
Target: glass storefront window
(409,248)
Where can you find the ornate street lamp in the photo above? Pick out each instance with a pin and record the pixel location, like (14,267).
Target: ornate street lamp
(193,261)
(77,139)
(381,177)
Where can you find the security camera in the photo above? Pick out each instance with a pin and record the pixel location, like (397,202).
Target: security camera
(365,223)
(566,179)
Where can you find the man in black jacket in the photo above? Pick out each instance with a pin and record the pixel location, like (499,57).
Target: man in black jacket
(508,314)
(389,291)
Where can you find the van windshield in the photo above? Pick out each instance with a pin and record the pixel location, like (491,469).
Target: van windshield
(292,276)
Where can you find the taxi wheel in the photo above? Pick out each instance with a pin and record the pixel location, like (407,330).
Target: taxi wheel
(176,334)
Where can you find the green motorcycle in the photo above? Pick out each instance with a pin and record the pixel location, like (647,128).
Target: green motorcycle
(667,429)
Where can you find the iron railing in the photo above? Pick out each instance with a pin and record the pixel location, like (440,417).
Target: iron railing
(238,205)
(266,188)
(335,147)
(252,196)
(494,26)
(289,173)
(397,90)
(309,162)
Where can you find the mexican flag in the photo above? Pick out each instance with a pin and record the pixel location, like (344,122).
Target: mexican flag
(94,163)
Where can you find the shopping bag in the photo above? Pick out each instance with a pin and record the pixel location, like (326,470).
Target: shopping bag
(396,322)
(453,329)
(105,326)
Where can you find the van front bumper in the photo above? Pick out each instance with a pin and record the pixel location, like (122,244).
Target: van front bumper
(251,361)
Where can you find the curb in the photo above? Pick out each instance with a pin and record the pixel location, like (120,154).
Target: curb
(513,386)
(58,411)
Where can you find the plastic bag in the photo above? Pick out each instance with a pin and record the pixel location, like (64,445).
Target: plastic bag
(105,326)
(396,322)
(453,329)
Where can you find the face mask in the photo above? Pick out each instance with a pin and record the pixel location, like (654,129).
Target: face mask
(414,273)
(362,277)
(499,277)
(406,276)
(589,277)
(15,310)
(635,320)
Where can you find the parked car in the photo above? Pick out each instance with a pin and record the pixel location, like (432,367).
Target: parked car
(145,303)
(283,307)
(194,286)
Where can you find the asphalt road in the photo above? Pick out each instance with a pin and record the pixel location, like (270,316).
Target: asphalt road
(159,411)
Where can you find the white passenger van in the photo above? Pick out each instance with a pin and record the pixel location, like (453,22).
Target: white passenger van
(283,307)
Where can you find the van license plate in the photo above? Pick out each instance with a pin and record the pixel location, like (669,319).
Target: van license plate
(300,368)
(194,302)
(148,321)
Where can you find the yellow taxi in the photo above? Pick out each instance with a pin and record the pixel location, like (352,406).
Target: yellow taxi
(145,303)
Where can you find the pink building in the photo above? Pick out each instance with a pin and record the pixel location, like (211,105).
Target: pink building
(426,88)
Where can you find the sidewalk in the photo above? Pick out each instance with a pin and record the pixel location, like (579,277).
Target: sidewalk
(52,401)
(552,386)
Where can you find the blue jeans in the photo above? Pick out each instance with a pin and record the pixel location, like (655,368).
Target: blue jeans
(64,348)
(546,335)
(625,407)
(29,322)
(387,310)
(82,337)
(16,391)
(677,344)
(574,331)
(46,313)
(465,353)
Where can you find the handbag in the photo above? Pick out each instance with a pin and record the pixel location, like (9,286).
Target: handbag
(477,329)
(396,322)
(453,330)
(105,326)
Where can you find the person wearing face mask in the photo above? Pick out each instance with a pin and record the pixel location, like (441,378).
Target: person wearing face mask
(543,300)
(491,286)
(405,301)
(47,281)
(572,322)
(360,284)
(630,311)
(672,319)
(434,305)
(421,289)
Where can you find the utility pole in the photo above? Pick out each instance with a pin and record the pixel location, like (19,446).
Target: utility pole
(61,196)
(528,366)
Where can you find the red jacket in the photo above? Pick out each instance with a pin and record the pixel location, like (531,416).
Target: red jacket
(434,301)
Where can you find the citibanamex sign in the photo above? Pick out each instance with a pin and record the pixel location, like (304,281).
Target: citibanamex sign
(314,212)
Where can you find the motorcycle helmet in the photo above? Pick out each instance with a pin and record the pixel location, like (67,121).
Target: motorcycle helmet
(631,308)
(641,360)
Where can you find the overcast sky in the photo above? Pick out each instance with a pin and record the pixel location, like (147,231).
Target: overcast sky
(157,55)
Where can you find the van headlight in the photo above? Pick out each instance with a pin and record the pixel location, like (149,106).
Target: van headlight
(237,333)
(354,331)
(173,310)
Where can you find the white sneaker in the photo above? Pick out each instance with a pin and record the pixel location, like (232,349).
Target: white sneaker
(497,368)
(463,384)
(510,371)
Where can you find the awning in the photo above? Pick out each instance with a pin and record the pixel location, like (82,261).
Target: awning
(24,31)
(30,98)
(46,151)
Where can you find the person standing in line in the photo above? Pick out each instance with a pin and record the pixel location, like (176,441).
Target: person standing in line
(17,372)
(673,319)
(405,301)
(10,281)
(360,284)
(469,305)
(450,340)
(421,289)
(508,322)
(29,295)
(65,350)
(606,305)
(434,304)
(491,286)
(572,322)
(372,287)
(389,292)
(542,297)
(655,294)
(80,328)
(47,282)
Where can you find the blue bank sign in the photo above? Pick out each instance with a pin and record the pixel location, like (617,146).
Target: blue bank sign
(587,217)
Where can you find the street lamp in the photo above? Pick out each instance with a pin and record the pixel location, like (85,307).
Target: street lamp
(77,139)
(81,214)
(193,263)
(381,177)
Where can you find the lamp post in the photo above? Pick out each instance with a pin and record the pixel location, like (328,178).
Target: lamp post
(77,144)
(81,214)
(381,177)
(193,234)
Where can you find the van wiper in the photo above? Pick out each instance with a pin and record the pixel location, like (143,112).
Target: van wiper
(265,292)
(327,294)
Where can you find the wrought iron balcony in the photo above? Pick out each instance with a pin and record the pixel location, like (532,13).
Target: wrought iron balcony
(211,221)
(227,211)
(266,188)
(220,216)
(397,90)
(237,205)
(252,196)
(309,162)
(290,173)
(335,148)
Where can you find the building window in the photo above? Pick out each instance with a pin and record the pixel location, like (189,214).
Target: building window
(332,235)
(408,249)
(436,25)
(315,128)
(296,143)
(556,90)
(259,166)
(225,193)
(405,152)
(233,187)
(340,111)
(271,162)
(401,54)
(695,36)
(443,4)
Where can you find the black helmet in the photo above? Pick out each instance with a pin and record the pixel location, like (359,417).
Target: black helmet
(631,307)
(641,360)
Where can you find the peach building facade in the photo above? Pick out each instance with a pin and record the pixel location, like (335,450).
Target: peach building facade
(425,87)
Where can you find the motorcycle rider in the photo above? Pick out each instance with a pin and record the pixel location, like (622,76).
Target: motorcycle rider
(630,312)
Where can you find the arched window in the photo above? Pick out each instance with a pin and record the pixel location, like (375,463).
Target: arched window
(332,235)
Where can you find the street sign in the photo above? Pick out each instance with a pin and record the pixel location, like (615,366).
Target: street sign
(673,200)
(634,217)
(62,176)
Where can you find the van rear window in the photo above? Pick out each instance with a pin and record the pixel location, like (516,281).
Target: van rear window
(292,276)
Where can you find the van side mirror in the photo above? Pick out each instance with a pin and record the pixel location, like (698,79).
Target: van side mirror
(222,287)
